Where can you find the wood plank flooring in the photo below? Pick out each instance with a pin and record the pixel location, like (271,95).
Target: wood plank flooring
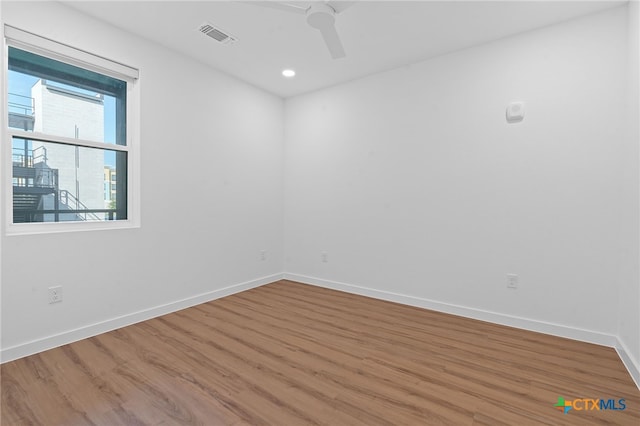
(292,354)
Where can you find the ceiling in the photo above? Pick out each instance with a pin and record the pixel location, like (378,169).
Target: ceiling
(377,35)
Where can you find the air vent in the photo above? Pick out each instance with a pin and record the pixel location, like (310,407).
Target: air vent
(216,33)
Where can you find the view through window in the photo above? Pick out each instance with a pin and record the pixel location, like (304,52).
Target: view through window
(69,141)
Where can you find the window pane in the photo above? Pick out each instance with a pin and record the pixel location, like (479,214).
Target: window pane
(55,182)
(55,98)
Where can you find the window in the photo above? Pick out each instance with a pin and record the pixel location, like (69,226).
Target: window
(69,127)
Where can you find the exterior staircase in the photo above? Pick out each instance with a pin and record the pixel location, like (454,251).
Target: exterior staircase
(32,180)
(24,205)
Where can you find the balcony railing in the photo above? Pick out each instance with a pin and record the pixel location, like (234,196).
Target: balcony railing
(20,104)
(22,157)
(21,112)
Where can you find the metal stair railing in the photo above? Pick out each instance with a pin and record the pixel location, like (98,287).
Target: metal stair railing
(66,197)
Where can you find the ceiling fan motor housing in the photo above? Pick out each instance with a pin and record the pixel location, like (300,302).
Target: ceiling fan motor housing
(320,16)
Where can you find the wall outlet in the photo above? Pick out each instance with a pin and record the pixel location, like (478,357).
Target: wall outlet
(324,257)
(55,294)
(263,255)
(512,281)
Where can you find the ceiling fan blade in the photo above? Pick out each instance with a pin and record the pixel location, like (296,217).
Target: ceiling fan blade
(284,6)
(332,39)
(340,6)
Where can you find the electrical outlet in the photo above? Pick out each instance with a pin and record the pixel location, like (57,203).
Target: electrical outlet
(324,257)
(55,294)
(512,281)
(263,255)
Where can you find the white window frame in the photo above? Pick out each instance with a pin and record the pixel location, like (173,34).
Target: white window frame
(17,38)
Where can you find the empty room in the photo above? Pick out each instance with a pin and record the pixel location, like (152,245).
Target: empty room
(337,213)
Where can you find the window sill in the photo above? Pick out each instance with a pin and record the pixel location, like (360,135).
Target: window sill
(17,229)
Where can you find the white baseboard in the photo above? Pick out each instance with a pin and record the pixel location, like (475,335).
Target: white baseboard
(632,367)
(50,342)
(463,311)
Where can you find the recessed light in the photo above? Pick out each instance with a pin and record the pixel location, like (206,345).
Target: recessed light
(288,73)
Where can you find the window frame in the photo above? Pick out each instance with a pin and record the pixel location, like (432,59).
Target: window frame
(23,40)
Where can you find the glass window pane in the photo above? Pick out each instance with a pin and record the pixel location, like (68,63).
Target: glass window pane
(55,98)
(54,182)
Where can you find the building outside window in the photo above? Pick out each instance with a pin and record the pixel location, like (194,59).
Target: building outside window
(109,186)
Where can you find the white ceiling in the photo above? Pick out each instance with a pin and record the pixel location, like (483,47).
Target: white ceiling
(377,35)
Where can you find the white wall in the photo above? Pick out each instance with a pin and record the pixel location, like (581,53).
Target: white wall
(629,328)
(211,187)
(419,190)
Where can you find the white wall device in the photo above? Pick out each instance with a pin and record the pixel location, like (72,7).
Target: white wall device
(515,112)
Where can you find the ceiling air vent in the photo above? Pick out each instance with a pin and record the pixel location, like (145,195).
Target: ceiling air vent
(216,33)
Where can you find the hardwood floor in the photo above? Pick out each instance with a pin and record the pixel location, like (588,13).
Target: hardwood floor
(292,354)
